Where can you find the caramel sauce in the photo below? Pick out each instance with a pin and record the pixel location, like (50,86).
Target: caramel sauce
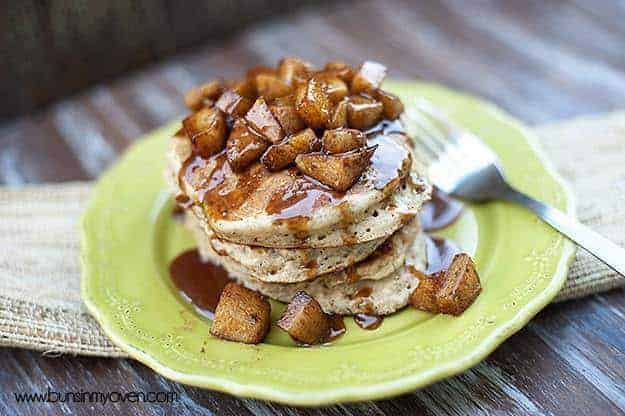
(440,212)
(387,162)
(222,191)
(363,292)
(181,203)
(299,200)
(226,191)
(200,283)
(177,213)
(352,274)
(349,239)
(310,268)
(366,321)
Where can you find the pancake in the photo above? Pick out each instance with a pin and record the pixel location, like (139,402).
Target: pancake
(286,209)
(376,297)
(381,221)
(295,264)
(379,289)
(385,259)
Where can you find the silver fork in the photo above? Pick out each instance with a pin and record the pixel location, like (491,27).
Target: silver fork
(461,165)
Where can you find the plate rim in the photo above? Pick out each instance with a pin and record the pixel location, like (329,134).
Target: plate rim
(372,391)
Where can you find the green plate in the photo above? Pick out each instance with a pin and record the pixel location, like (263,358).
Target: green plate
(129,237)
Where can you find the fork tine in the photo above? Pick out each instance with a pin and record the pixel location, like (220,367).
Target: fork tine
(450,130)
(463,140)
(421,136)
(429,132)
(434,139)
(448,133)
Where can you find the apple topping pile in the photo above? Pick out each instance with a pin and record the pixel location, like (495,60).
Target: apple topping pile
(293,115)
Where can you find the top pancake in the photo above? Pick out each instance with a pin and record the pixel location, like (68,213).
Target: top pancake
(285,209)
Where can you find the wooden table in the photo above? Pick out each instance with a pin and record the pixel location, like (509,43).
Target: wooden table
(539,60)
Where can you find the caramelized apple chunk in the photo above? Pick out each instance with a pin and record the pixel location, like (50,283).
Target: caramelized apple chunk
(339,115)
(339,171)
(244,87)
(244,146)
(281,155)
(368,78)
(460,286)
(293,70)
(270,86)
(450,291)
(335,87)
(260,118)
(424,296)
(363,112)
(259,69)
(392,105)
(233,104)
(207,130)
(342,140)
(341,70)
(242,315)
(204,94)
(287,115)
(313,104)
(304,320)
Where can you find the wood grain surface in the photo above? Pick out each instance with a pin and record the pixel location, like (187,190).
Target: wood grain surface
(539,60)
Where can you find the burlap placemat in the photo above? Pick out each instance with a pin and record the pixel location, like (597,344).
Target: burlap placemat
(40,305)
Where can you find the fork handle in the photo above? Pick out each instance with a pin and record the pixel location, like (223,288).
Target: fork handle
(597,245)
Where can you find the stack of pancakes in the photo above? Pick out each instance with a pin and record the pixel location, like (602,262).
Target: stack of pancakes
(282,232)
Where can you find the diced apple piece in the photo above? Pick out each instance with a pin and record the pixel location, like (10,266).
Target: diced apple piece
(193,99)
(287,116)
(342,140)
(424,296)
(259,69)
(203,95)
(449,291)
(391,104)
(207,130)
(244,87)
(335,87)
(313,104)
(233,104)
(292,69)
(260,118)
(304,320)
(280,155)
(368,78)
(459,287)
(270,86)
(341,70)
(288,100)
(339,116)
(339,171)
(242,315)
(305,141)
(363,112)
(244,146)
